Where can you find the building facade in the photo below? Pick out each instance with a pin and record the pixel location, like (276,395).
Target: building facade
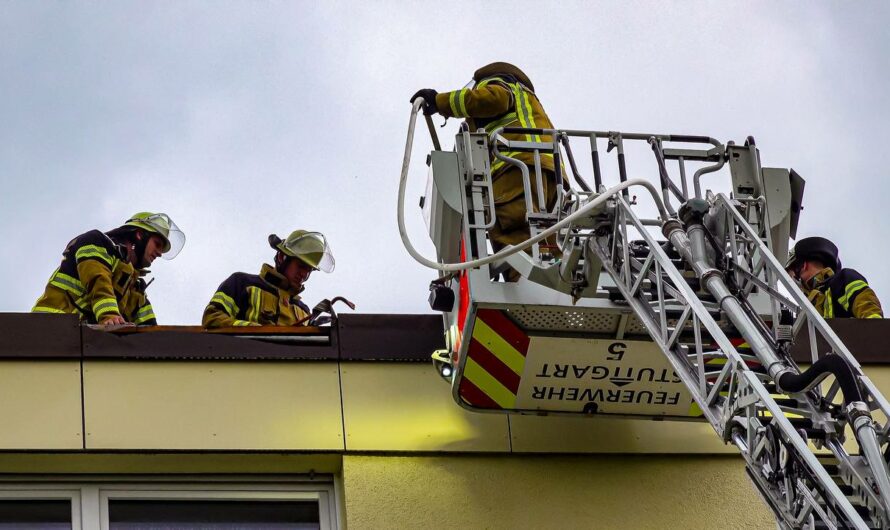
(349,427)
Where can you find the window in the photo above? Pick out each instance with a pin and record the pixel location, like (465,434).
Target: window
(213,509)
(168,505)
(26,514)
(39,508)
(212,515)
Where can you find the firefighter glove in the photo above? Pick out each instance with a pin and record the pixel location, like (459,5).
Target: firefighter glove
(429,100)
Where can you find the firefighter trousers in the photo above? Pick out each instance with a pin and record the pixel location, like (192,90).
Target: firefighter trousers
(511,226)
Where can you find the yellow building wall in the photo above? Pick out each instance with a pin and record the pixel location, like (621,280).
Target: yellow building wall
(300,406)
(41,406)
(408,407)
(212,405)
(407,455)
(559,492)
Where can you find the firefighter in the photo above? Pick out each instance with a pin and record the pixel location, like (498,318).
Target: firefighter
(502,96)
(271,298)
(835,292)
(101,277)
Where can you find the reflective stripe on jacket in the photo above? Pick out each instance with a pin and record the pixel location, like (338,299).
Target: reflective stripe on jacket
(501,102)
(95,283)
(844,294)
(255,300)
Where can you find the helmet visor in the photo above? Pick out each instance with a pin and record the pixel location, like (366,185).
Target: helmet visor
(312,248)
(791,261)
(162,225)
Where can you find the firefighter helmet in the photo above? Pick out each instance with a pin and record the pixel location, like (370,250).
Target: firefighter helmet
(501,68)
(162,225)
(309,247)
(816,249)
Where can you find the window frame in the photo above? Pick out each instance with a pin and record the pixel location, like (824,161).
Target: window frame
(90,496)
(216,492)
(47,492)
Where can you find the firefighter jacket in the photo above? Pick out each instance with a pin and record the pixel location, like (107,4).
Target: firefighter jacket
(502,102)
(95,281)
(844,294)
(255,300)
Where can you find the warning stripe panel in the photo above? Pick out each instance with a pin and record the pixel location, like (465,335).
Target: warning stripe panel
(497,345)
(488,384)
(505,327)
(491,363)
(471,394)
(495,359)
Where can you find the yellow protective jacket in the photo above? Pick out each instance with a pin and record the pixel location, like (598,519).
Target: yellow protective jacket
(95,282)
(255,300)
(844,294)
(501,102)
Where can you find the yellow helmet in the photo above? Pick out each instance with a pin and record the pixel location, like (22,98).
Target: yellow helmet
(162,225)
(309,247)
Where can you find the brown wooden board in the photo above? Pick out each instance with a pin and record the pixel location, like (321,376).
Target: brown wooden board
(235,330)
(379,337)
(39,336)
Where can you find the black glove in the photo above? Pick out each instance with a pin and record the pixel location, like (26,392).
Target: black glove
(429,100)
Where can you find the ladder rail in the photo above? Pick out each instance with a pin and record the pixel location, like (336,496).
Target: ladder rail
(813,318)
(533,182)
(740,271)
(645,314)
(750,392)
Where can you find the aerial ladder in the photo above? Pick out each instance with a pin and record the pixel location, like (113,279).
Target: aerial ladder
(683,314)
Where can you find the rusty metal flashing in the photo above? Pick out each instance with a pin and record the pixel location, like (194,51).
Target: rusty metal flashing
(384,337)
(356,337)
(39,336)
(402,338)
(197,345)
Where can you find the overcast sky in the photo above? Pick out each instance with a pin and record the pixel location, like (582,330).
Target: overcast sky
(240,119)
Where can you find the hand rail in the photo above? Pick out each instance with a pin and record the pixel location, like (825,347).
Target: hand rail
(512,249)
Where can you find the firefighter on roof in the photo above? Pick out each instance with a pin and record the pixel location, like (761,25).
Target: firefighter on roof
(502,96)
(271,298)
(834,291)
(101,275)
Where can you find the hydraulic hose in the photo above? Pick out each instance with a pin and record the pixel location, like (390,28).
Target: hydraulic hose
(692,247)
(830,364)
(512,249)
(855,407)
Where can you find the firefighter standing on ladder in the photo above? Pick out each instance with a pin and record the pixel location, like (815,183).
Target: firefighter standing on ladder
(502,96)
(834,291)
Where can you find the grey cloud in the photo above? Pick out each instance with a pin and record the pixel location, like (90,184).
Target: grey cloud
(243,118)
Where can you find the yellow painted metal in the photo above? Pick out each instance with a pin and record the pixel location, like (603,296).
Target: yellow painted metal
(212,405)
(40,405)
(407,407)
(536,491)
